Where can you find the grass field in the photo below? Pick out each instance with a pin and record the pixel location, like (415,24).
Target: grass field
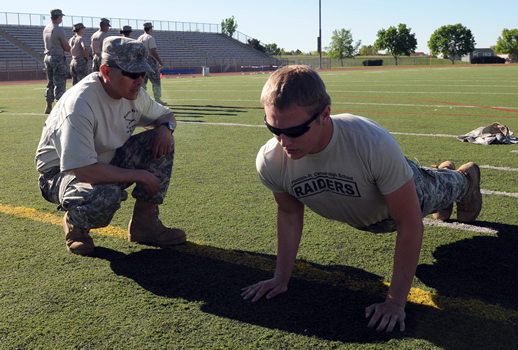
(130,296)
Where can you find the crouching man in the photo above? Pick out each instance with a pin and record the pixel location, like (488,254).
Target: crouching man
(348,168)
(87,155)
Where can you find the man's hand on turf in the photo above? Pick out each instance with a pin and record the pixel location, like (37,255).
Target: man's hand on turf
(256,291)
(388,314)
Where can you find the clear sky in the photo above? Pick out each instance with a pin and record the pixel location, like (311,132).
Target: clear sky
(294,24)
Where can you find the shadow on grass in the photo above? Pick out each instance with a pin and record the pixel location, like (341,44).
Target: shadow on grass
(309,308)
(199,111)
(482,268)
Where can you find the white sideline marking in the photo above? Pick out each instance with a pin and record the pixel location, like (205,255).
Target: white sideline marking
(382,83)
(509,194)
(226,124)
(499,167)
(410,105)
(459,226)
(414,134)
(25,114)
(424,92)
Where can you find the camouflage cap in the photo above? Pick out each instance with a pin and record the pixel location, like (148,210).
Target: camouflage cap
(127,29)
(148,25)
(78,26)
(105,21)
(125,53)
(56,12)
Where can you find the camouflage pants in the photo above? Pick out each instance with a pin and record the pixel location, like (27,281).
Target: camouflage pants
(435,188)
(96,63)
(94,205)
(56,71)
(78,69)
(154,78)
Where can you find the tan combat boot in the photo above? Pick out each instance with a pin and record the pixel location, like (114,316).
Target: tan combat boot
(77,239)
(146,227)
(49,107)
(470,205)
(446,212)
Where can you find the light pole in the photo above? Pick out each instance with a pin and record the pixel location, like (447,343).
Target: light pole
(319,44)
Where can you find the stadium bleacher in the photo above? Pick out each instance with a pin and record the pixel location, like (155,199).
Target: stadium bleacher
(23,44)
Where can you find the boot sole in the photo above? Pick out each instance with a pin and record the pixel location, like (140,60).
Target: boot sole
(175,241)
(80,251)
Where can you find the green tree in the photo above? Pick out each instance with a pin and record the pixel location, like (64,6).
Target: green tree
(272,49)
(452,41)
(342,45)
(367,50)
(255,44)
(397,41)
(229,26)
(508,43)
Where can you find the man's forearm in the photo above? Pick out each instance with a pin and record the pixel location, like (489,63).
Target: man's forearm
(289,232)
(406,259)
(106,173)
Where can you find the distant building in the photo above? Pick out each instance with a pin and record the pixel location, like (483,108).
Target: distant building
(478,52)
(418,54)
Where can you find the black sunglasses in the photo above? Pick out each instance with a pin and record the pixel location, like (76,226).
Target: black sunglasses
(295,131)
(133,76)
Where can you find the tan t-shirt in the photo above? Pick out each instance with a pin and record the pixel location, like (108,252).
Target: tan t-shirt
(87,126)
(54,38)
(96,42)
(347,180)
(148,40)
(77,46)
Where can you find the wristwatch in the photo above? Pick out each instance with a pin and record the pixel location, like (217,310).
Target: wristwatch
(169,125)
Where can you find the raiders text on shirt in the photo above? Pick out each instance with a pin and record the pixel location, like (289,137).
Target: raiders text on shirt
(319,182)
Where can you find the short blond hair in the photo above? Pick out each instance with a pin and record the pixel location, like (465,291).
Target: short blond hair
(296,86)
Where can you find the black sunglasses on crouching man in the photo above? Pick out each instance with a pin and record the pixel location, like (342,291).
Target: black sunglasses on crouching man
(133,76)
(295,131)
(130,75)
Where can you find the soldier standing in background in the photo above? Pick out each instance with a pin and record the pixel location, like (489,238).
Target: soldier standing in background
(154,61)
(126,31)
(56,45)
(97,43)
(79,51)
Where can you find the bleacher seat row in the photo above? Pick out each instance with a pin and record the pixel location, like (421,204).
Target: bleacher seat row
(173,47)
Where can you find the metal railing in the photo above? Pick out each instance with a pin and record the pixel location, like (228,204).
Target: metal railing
(31,19)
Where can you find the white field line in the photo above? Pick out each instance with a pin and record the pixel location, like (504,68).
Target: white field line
(498,168)
(459,226)
(225,124)
(508,194)
(429,135)
(381,83)
(423,92)
(413,105)
(8,113)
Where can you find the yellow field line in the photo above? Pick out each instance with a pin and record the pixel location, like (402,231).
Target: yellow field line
(304,271)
